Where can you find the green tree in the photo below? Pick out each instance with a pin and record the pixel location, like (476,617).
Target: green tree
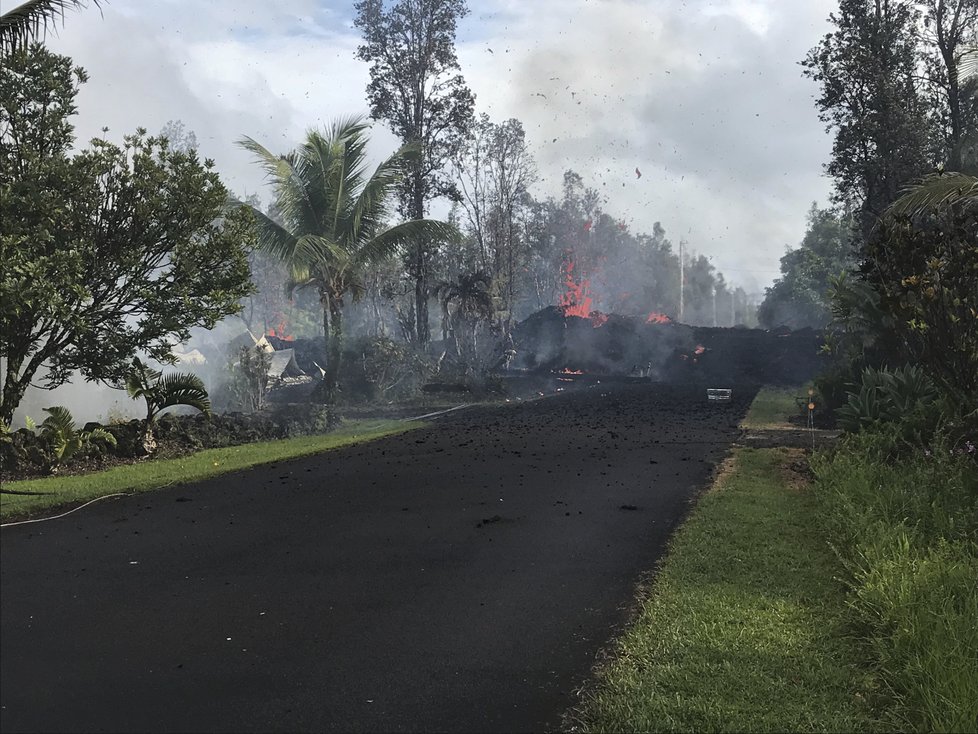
(28,20)
(870,99)
(800,296)
(333,221)
(416,87)
(923,262)
(106,253)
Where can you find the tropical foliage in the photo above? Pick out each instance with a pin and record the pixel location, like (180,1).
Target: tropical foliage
(466,303)
(25,21)
(107,252)
(923,261)
(334,220)
(161,391)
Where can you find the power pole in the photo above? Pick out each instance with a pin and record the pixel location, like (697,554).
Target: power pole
(733,308)
(682,279)
(715,289)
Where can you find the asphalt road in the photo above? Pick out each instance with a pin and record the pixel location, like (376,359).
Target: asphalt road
(458,578)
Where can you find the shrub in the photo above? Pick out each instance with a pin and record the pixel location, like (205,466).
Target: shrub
(380,368)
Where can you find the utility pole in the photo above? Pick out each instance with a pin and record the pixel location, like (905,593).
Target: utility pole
(682,279)
(715,289)
(733,308)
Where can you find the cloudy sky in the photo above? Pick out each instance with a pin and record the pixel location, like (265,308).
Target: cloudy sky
(706,98)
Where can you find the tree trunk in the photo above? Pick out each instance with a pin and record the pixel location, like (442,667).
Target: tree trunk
(11,391)
(421,298)
(421,288)
(14,387)
(335,354)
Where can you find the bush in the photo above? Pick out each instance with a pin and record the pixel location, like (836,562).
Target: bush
(380,368)
(906,532)
(27,452)
(906,407)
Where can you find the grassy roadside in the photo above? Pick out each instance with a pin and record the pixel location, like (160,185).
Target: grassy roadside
(744,628)
(772,406)
(150,475)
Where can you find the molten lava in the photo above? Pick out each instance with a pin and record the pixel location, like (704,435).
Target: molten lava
(657,318)
(576,300)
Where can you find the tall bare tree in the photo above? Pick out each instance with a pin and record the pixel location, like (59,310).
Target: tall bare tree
(494,170)
(416,87)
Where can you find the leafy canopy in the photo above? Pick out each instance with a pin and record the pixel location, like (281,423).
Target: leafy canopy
(111,251)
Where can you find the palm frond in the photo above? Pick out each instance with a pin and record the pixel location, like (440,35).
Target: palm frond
(968,65)
(297,281)
(183,388)
(100,434)
(140,378)
(370,208)
(315,250)
(31,19)
(273,238)
(335,166)
(59,419)
(389,242)
(934,192)
(292,189)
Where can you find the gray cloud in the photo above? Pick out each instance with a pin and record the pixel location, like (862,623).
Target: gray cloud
(704,97)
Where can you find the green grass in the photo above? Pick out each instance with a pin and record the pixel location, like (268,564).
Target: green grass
(905,530)
(744,628)
(150,475)
(772,406)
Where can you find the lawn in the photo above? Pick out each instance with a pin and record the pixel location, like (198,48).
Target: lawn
(772,407)
(744,628)
(148,475)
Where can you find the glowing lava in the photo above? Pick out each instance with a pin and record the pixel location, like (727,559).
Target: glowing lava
(598,319)
(576,300)
(657,318)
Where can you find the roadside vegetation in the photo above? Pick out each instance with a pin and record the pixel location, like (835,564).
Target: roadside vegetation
(744,628)
(54,492)
(841,586)
(905,531)
(773,405)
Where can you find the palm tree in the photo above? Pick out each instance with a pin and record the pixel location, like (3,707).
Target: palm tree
(163,391)
(334,218)
(31,19)
(470,295)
